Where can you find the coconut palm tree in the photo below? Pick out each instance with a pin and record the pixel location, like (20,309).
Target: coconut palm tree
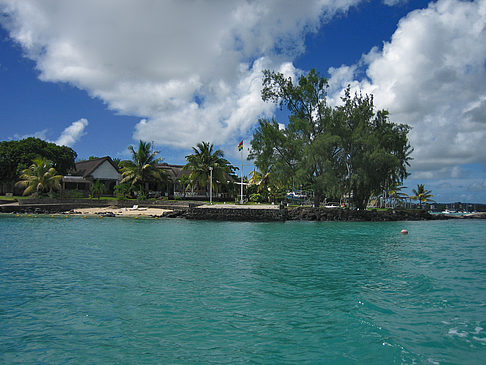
(142,169)
(394,195)
(40,178)
(98,189)
(422,195)
(185,181)
(204,157)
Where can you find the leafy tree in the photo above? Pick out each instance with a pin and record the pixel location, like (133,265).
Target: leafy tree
(97,189)
(40,178)
(310,140)
(344,151)
(203,157)
(16,156)
(422,195)
(142,169)
(375,152)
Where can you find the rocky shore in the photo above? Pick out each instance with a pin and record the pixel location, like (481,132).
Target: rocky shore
(226,212)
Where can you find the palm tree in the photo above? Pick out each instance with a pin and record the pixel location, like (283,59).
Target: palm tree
(422,195)
(202,159)
(40,177)
(261,180)
(394,195)
(98,189)
(142,169)
(185,181)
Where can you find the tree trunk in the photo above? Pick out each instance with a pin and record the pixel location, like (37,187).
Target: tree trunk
(317,198)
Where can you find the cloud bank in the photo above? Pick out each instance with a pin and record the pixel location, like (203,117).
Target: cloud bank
(432,76)
(190,69)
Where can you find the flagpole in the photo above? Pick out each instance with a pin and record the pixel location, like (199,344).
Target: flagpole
(241,186)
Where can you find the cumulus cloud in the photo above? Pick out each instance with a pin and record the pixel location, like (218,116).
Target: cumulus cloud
(432,76)
(73,133)
(190,70)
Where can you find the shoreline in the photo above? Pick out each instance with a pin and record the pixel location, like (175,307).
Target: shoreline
(232,212)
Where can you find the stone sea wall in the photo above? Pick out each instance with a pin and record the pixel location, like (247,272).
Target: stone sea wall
(308,214)
(348,215)
(236,214)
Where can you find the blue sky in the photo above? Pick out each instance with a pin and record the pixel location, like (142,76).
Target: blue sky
(98,76)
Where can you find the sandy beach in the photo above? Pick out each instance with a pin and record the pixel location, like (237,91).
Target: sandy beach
(123,212)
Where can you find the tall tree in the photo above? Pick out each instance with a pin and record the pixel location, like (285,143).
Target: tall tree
(422,195)
(348,150)
(305,151)
(142,169)
(203,157)
(40,178)
(375,152)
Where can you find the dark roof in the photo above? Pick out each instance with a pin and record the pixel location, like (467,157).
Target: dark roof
(175,171)
(86,168)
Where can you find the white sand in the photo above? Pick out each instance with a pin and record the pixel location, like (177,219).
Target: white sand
(123,212)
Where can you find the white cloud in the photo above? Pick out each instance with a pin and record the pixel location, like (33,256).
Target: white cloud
(39,134)
(73,133)
(191,70)
(432,76)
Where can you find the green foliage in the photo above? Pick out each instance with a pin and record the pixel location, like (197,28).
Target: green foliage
(349,150)
(73,194)
(185,181)
(117,162)
(97,189)
(201,160)
(16,156)
(123,190)
(257,198)
(40,178)
(142,169)
(422,195)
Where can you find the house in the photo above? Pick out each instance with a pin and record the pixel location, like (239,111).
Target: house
(177,189)
(87,172)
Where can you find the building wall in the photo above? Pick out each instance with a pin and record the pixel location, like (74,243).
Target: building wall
(106,171)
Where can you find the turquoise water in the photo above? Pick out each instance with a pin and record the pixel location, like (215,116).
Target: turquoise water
(180,292)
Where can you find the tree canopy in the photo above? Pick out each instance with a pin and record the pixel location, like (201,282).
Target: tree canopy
(40,177)
(422,194)
(203,157)
(142,169)
(344,151)
(16,156)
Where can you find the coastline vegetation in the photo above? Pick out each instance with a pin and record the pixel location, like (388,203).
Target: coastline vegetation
(40,178)
(348,152)
(205,162)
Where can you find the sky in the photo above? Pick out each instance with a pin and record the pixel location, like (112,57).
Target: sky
(100,75)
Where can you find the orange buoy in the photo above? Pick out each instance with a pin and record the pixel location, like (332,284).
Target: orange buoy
(404,231)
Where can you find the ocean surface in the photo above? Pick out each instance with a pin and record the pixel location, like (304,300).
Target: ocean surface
(105,291)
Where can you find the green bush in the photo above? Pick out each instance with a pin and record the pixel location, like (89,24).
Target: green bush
(123,191)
